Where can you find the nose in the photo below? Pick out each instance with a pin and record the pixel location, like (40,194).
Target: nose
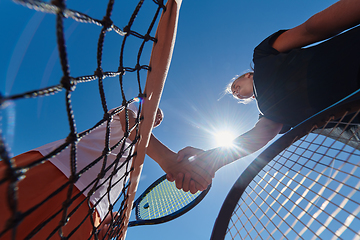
(158,120)
(236,93)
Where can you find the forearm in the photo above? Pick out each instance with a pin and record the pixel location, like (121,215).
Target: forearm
(243,146)
(167,160)
(246,144)
(340,16)
(336,18)
(159,152)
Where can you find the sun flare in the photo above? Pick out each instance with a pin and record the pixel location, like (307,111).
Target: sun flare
(224,139)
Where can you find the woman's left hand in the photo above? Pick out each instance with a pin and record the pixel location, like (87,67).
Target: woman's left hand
(103,228)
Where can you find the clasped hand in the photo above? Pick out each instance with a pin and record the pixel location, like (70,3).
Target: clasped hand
(196,170)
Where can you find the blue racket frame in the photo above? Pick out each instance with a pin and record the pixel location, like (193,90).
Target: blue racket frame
(349,104)
(166,218)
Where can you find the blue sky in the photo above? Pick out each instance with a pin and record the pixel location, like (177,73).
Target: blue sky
(214,43)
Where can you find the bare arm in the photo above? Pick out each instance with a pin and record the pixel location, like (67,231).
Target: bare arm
(251,141)
(338,17)
(167,159)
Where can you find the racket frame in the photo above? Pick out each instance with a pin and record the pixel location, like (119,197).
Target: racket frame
(319,120)
(166,218)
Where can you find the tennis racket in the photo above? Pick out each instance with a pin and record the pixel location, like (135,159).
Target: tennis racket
(162,202)
(304,186)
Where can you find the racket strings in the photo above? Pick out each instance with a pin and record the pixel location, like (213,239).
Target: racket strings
(245,227)
(310,190)
(272,212)
(163,200)
(331,177)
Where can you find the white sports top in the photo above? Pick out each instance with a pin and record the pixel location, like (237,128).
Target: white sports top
(90,148)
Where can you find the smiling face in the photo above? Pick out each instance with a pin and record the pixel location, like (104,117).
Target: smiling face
(242,87)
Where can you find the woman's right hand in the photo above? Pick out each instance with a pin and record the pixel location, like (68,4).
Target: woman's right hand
(184,181)
(188,153)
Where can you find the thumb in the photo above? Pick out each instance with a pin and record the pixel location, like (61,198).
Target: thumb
(180,156)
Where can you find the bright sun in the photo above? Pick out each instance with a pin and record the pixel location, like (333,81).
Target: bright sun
(224,139)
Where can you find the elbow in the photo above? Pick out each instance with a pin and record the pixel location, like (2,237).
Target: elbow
(275,129)
(268,130)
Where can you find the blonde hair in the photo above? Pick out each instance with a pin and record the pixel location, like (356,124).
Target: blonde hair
(230,84)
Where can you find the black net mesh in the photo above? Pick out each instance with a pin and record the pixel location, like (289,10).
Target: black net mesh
(13,174)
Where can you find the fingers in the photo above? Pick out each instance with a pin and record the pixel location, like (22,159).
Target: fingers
(187,152)
(170,177)
(181,154)
(105,225)
(186,182)
(201,177)
(179,181)
(193,188)
(108,219)
(196,174)
(200,185)
(103,231)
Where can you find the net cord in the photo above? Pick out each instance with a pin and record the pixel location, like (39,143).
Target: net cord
(159,62)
